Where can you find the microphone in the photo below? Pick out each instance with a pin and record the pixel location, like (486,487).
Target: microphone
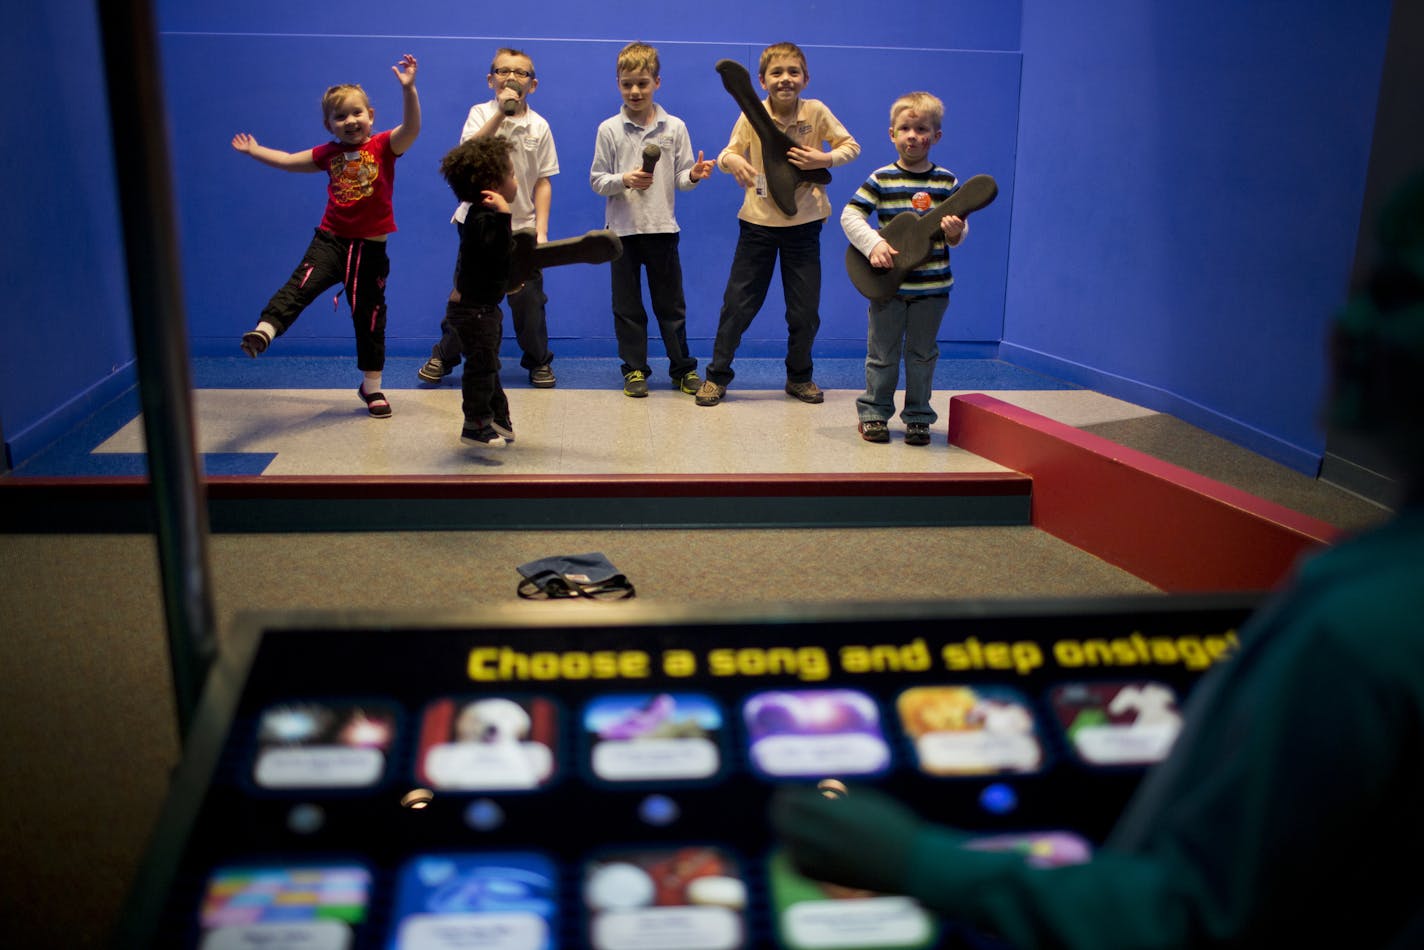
(651,154)
(511,106)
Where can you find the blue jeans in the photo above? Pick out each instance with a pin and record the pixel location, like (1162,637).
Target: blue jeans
(758,246)
(910,324)
(657,254)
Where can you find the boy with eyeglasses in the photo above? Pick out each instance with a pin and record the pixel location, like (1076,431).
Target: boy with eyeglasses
(507,114)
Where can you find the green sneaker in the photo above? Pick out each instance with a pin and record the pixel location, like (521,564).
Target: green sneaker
(635,384)
(689,383)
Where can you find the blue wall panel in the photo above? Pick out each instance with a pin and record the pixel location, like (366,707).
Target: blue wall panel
(952,24)
(1188,186)
(245,224)
(67,340)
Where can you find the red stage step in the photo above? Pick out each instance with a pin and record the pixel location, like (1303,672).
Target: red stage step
(1173,528)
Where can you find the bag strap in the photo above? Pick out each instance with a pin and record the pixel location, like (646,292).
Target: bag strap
(551,585)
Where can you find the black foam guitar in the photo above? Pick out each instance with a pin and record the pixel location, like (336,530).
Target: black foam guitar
(913,235)
(593,247)
(528,255)
(782,177)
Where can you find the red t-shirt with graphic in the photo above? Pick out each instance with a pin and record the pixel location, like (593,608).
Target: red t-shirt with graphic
(362,180)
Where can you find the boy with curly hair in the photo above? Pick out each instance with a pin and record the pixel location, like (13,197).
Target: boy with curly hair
(481,172)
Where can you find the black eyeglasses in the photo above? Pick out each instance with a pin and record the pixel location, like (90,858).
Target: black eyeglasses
(504,72)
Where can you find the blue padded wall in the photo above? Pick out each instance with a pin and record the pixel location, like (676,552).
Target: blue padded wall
(1189,183)
(245,225)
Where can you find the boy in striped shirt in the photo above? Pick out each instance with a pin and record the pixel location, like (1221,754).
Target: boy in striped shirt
(910,320)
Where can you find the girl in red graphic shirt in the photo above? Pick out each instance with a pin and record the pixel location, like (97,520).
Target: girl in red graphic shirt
(349,246)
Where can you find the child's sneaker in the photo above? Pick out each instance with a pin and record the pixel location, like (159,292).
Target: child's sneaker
(255,341)
(505,427)
(875,430)
(482,436)
(435,370)
(542,377)
(689,383)
(710,393)
(917,433)
(806,392)
(635,384)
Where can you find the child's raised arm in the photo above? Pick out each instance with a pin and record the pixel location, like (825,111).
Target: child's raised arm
(287,161)
(403,135)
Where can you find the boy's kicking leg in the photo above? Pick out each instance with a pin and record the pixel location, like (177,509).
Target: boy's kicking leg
(747,283)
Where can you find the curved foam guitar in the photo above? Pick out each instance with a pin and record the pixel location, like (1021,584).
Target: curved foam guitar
(913,235)
(528,255)
(592,247)
(782,177)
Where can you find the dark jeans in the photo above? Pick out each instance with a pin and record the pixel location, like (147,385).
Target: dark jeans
(530,328)
(362,266)
(657,253)
(758,246)
(478,330)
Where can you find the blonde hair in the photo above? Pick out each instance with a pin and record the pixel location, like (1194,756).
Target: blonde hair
(781,49)
(922,102)
(336,95)
(636,57)
(506,51)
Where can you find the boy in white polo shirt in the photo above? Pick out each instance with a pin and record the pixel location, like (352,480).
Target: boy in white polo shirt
(512,79)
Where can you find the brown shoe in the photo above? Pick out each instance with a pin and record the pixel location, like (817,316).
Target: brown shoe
(874,430)
(709,394)
(806,392)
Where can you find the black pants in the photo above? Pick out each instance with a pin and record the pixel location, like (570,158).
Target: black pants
(362,266)
(479,329)
(758,247)
(657,254)
(531,328)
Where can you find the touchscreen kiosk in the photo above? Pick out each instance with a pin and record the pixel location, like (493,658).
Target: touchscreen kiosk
(575,774)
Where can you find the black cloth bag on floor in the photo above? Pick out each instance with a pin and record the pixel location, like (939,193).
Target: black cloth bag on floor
(573,575)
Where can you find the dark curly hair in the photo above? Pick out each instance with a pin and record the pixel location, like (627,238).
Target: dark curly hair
(476,165)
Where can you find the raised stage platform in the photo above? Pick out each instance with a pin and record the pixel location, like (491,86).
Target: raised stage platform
(313,460)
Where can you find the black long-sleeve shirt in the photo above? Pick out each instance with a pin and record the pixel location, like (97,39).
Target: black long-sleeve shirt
(486,250)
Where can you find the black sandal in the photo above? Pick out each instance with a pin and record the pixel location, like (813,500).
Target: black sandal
(376,403)
(254,342)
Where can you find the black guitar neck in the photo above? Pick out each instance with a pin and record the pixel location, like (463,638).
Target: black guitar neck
(592,247)
(782,177)
(912,236)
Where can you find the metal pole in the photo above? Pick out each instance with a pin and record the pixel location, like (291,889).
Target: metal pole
(140,136)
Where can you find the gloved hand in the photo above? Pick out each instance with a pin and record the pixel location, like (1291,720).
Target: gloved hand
(862,840)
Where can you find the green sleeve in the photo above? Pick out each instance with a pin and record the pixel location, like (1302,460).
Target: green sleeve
(1111,901)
